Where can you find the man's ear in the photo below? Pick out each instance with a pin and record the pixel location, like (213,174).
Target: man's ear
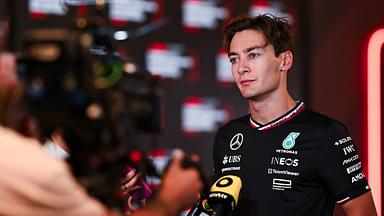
(286,60)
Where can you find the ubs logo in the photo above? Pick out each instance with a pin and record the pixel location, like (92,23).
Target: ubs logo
(231,159)
(236,141)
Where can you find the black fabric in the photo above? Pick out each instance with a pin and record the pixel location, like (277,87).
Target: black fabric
(321,167)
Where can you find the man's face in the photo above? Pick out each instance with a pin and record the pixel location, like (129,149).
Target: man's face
(255,68)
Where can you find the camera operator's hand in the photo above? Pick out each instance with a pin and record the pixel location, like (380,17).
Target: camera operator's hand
(132,191)
(179,189)
(129,182)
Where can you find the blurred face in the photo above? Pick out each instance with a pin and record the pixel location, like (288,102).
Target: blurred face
(7,70)
(255,68)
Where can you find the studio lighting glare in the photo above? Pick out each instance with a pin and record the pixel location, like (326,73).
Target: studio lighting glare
(120,35)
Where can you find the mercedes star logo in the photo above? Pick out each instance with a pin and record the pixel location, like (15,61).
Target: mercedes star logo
(236,141)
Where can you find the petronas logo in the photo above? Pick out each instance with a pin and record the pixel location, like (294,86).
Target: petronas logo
(289,141)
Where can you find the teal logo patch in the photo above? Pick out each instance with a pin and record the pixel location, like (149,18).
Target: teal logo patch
(289,141)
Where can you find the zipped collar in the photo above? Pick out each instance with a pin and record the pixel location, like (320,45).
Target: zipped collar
(281,120)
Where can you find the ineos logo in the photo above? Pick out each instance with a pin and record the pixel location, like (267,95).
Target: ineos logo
(236,141)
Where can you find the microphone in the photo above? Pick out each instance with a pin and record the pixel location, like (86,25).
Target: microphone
(223,195)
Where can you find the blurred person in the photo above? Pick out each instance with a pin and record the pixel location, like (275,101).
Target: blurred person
(11,92)
(34,183)
(7,63)
(13,111)
(292,161)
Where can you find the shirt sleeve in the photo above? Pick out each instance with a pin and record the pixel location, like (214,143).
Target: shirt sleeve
(340,166)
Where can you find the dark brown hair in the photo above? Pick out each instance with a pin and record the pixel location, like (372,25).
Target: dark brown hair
(275,29)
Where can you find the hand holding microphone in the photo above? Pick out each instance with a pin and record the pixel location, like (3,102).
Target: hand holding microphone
(182,182)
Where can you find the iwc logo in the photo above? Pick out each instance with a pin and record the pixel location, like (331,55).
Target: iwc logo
(289,141)
(236,141)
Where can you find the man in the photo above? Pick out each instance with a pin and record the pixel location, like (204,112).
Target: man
(292,161)
(34,183)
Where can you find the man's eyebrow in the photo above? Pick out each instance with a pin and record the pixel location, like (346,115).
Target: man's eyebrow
(249,49)
(255,47)
(232,54)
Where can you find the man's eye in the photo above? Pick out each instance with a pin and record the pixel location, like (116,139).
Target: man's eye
(253,55)
(232,60)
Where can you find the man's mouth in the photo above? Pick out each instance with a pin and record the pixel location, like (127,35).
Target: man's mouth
(246,82)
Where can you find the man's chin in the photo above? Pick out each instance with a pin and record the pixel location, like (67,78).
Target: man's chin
(254,97)
(247,95)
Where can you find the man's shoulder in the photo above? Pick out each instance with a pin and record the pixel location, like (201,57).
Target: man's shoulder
(321,123)
(15,146)
(317,118)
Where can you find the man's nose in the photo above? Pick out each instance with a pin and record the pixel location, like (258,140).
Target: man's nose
(243,66)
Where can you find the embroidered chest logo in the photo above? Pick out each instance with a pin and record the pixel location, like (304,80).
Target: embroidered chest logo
(236,141)
(289,141)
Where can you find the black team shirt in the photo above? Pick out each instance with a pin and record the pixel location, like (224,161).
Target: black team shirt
(300,164)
